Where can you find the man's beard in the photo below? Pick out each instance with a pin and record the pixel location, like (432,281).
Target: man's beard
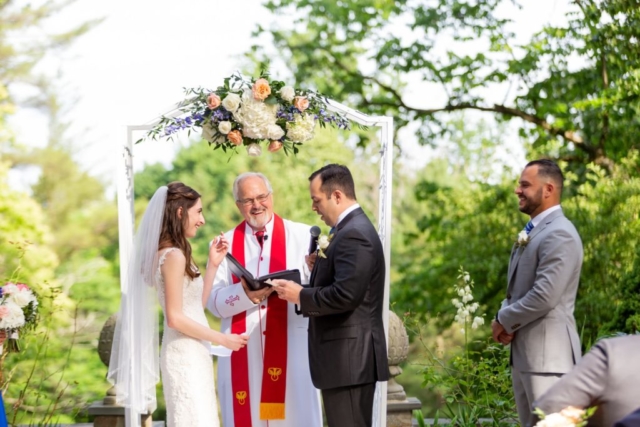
(259,221)
(531,204)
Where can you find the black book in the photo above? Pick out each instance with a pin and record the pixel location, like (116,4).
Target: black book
(259,282)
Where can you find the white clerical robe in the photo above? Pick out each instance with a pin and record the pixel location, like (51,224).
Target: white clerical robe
(302,399)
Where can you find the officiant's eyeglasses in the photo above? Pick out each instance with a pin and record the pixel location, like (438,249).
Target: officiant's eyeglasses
(249,202)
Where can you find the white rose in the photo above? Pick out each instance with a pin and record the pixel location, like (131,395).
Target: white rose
(224,127)
(555,420)
(287,93)
(323,242)
(21,298)
(274,132)
(523,237)
(254,150)
(231,102)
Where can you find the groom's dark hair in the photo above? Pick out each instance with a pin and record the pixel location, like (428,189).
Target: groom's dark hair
(335,177)
(549,169)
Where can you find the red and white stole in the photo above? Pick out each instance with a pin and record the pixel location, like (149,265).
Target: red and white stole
(274,370)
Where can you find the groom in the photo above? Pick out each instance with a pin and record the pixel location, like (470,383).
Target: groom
(537,315)
(347,347)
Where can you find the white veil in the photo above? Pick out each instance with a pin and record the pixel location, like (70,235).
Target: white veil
(133,368)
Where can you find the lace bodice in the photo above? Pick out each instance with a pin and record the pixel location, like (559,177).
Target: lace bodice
(191,293)
(185,362)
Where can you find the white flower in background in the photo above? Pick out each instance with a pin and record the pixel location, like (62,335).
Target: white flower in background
(231,102)
(465,307)
(254,150)
(477,321)
(287,93)
(302,129)
(523,239)
(255,116)
(224,127)
(14,317)
(9,288)
(22,297)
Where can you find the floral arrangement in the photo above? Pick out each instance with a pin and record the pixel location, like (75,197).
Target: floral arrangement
(249,112)
(18,308)
(465,307)
(523,239)
(323,243)
(568,417)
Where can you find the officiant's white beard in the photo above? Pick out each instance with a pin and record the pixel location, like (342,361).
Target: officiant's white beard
(259,221)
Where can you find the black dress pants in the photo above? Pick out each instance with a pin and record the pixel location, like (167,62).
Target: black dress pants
(350,406)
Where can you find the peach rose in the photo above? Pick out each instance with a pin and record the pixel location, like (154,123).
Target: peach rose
(4,310)
(235,137)
(301,103)
(261,89)
(275,146)
(213,101)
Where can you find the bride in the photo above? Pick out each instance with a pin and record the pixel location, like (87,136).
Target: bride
(162,264)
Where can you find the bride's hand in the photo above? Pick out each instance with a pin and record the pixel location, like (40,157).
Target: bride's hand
(218,250)
(235,342)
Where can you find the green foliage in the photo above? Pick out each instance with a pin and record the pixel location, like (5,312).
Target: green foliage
(472,380)
(627,315)
(575,86)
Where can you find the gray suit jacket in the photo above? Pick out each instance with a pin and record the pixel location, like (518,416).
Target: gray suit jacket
(541,294)
(608,377)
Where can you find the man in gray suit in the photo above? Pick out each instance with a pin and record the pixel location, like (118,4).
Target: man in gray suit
(607,377)
(537,315)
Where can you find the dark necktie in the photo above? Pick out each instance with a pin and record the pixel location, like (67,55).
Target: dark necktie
(260,236)
(528,227)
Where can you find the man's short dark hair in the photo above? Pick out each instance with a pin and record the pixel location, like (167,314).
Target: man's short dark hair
(549,169)
(335,177)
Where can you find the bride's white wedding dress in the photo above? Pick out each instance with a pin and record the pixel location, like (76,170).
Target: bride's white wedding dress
(186,364)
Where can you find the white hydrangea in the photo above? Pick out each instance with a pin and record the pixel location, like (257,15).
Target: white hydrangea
(255,116)
(302,129)
(14,318)
(22,297)
(274,132)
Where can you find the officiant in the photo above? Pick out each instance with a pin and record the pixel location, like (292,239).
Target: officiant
(269,380)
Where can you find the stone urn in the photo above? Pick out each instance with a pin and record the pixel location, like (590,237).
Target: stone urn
(104,351)
(397,353)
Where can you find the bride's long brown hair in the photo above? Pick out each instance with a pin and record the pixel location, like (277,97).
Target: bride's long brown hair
(172,234)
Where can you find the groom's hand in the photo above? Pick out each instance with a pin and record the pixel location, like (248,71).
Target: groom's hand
(499,333)
(287,290)
(256,296)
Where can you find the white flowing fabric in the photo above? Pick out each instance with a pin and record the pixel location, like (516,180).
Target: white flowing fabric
(134,364)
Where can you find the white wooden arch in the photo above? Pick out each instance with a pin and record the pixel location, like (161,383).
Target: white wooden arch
(126,216)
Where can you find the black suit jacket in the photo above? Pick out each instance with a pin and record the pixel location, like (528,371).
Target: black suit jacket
(344,304)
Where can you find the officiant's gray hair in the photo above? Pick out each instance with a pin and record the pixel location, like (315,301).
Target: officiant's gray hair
(245,175)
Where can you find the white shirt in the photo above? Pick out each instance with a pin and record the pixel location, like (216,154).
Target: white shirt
(346,212)
(542,215)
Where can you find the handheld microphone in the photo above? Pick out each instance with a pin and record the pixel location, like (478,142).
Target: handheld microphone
(313,243)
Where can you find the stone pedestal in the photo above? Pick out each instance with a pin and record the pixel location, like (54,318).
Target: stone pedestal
(113,416)
(400,413)
(399,407)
